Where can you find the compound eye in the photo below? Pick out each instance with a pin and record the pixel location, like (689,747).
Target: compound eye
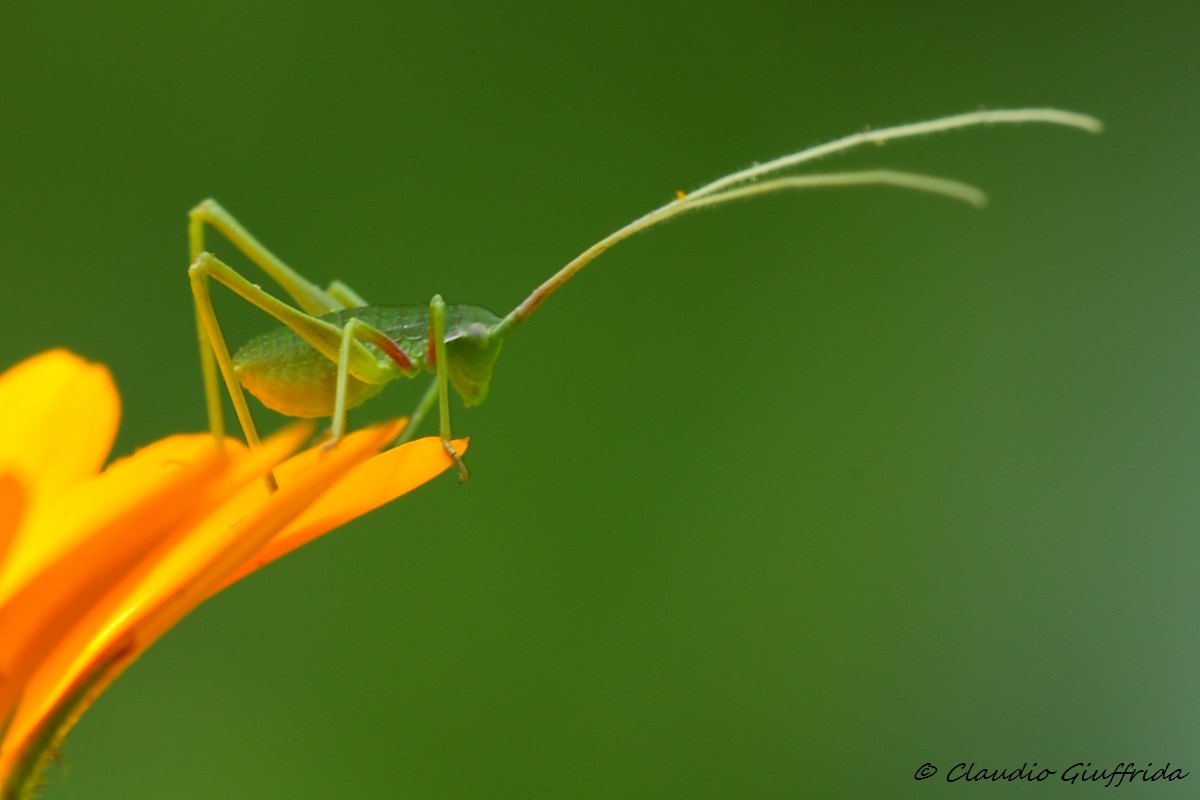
(477,332)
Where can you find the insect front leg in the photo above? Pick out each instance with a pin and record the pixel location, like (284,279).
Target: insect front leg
(437,344)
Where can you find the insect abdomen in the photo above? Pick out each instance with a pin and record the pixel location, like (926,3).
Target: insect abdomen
(290,376)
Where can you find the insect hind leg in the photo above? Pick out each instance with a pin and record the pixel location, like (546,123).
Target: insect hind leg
(215,355)
(307,295)
(326,338)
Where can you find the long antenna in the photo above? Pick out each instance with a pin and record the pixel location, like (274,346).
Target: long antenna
(744,183)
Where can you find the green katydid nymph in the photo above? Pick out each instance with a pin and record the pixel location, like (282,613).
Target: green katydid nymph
(335,350)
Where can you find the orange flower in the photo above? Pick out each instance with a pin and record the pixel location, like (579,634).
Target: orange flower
(95,565)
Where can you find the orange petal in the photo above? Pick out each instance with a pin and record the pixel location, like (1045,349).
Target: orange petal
(295,493)
(157,595)
(59,418)
(365,488)
(101,641)
(45,606)
(190,564)
(12,510)
(56,529)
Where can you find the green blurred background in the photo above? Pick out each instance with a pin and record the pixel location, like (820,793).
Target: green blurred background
(783,500)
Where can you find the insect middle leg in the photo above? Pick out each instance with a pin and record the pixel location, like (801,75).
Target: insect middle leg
(353,331)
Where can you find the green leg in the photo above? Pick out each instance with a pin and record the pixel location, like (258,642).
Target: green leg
(325,337)
(307,295)
(210,334)
(353,331)
(345,295)
(419,413)
(213,346)
(212,382)
(437,333)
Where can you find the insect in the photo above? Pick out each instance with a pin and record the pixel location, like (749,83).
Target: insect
(335,350)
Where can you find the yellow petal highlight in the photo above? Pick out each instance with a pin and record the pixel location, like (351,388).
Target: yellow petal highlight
(58,418)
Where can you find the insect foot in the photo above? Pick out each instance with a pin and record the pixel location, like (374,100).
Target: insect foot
(464,474)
